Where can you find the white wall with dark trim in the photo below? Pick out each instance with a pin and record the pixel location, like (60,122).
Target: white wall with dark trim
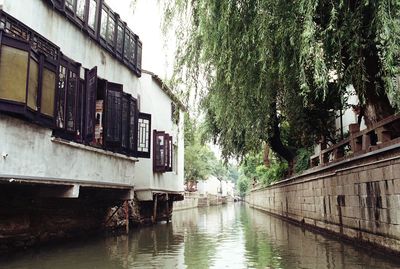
(31,150)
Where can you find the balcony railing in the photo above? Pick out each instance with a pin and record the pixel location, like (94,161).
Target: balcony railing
(380,135)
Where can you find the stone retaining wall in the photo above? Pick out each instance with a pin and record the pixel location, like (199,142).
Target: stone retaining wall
(190,201)
(358,198)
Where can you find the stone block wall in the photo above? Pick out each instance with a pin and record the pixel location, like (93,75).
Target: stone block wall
(358,198)
(190,201)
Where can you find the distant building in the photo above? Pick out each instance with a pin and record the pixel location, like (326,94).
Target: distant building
(214,186)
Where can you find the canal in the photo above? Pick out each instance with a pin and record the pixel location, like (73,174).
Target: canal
(232,236)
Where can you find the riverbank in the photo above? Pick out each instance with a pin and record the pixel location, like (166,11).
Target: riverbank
(193,200)
(357,199)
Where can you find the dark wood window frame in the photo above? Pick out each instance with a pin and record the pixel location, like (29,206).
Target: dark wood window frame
(22,108)
(138,56)
(112,129)
(159,151)
(105,41)
(133,61)
(67,100)
(120,39)
(170,150)
(48,57)
(162,152)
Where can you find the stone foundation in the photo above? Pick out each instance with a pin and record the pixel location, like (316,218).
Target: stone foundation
(27,220)
(189,201)
(358,198)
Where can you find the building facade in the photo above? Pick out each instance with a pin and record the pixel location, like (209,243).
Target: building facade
(78,115)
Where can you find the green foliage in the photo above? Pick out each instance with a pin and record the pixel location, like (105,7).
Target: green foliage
(199,159)
(302,160)
(268,64)
(243,185)
(275,172)
(233,173)
(253,169)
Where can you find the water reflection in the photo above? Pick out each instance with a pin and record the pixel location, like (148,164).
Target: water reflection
(233,236)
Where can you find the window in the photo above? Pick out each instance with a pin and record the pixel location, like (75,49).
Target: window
(132,51)
(113,34)
(70,4)
(162,154)
(127,46)
(170,148)
(23,80)
(67,97)
(144,134)
(76,10)
(120,40)
(113,114)
(103,24)
(80,9)
(133,125)
(108,28)
(139,57)
(175,159)
(48,91)
(33,83)
(92,15)
(90,105)
(13,73)
(159,151)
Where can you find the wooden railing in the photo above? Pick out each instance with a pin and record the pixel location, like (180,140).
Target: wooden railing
(380,135)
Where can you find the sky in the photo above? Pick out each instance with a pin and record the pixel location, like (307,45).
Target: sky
(144,18)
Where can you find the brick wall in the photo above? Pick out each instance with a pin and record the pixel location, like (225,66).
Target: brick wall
(358,198)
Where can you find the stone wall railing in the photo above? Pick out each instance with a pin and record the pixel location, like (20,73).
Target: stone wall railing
(380,135)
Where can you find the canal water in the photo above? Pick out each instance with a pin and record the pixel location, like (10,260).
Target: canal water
(231,236)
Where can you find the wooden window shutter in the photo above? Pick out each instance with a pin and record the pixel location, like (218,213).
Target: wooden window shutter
(125,122)
(90,104)
(113,113)
(171,154)
(167,154)
(159,152)
(133,124)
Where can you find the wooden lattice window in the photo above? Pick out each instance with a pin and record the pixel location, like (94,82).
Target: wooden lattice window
(67,98)
(27,80)
(144,135)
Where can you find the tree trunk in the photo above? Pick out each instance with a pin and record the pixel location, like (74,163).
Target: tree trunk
(274,138)
(377,105)
(266,155)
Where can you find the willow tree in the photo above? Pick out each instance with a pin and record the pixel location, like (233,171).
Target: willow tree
(275,69)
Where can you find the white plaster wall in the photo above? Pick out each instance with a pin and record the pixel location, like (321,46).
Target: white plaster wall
(156,102)
(31,152)
(41,157)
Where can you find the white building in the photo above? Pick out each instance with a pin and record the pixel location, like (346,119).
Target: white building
(76,109)
(214,186)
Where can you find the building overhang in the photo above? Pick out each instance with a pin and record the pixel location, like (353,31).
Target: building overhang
(46,187)
(148,194)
